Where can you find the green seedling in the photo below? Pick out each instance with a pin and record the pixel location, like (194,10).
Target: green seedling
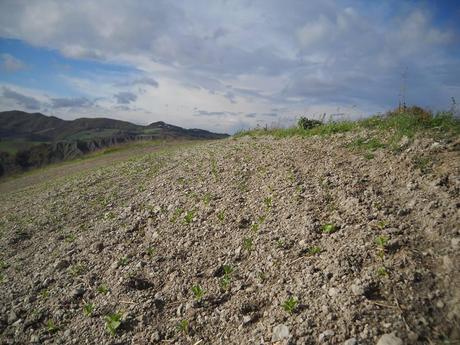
(198,292)
(221,216)
(44,293)
(150,252)
(290,305)
(226,279)
(51,327)
(268,202)
(247,243)
(183,326)
(207,199)
(314,250)
(382,272)
(88,309)
(329,228)
(255,227)
(381,241)
(123,261)
(176,214)
(113,322)
(280,243)
(77,269)
(189,217)
(103,289)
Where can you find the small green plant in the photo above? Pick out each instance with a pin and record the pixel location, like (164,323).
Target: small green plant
(51,327)
(280,243)
(70,238)
(290,305)
(382,224)
(369,156)
(77,269)
(226,279)
(255,227)
(314,250)
(44,293)
(329,228)
(247,243)
(382,272)
(268,202)
(381,241)
(423,164)
(207,199)
(221,216)
(198,292)
(188,218)
(88,309)
(176,214)
(123,261)
(183,326)
(113,322)
(150,252)
(103,289)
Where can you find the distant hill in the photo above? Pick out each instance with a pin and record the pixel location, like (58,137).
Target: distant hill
(33,139)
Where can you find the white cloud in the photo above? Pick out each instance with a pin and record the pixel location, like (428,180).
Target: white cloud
(11,64)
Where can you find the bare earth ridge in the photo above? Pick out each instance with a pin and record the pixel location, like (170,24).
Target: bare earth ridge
(239,241)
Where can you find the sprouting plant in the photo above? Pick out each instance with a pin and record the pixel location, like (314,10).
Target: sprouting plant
(51,327)
(177,212)
(314,250)
(214,170)
(280,243)
(329,228)
(247,243)
(70,238)
(381,241)
(88,309)
(382,224)
(183,326)
(189,217)
(77,269)
(207,199)
(113,322)
(268,202)
(290,305)
(150,251)
(44,293)
(382,272)
(369,156)
(255,227)
(221,216)
(123,261)
(103,289)
(226,279)
(262,218)
(198,292)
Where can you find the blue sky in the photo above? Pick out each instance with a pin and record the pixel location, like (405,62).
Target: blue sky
(226,65)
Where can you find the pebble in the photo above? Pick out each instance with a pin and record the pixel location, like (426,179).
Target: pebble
(280,332)
(34,339)
(389,339)
(357,290)
(333,292)
(12,317)
(351,341)
(326,335)
(77,292)
(61,264)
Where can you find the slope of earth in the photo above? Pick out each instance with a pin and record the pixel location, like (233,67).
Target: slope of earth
(239,241)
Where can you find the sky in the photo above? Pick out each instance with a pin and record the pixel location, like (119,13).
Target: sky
(227,65)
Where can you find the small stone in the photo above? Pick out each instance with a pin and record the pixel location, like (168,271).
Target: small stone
(61,264)
(455,242)
(440,304)
(77,293)
(351,341)
(97,247)
(326,335)
(246,319)
(333,292)
(12,317)
(357,290)
(34,339)
(280,332)
(389,339)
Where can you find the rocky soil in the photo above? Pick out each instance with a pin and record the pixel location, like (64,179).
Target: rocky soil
(240,241)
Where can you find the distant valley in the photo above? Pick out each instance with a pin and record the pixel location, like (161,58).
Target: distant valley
(29,140)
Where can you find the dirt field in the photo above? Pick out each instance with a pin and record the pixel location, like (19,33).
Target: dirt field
(255,240)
